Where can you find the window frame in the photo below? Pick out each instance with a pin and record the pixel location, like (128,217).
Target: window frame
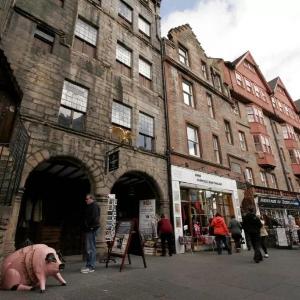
(263,178)
(64,104)
(217,149)
(45,36)
(122,123)
(228,132)
(243,140)
(146,22)
(183,58)
(145,135)
(210,105)
(189,94)
(195,143)
(125,5)
(249,175)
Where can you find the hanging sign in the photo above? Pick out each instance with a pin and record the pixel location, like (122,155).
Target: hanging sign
(113,161)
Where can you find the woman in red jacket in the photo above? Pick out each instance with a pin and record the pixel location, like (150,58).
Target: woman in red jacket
(221,232)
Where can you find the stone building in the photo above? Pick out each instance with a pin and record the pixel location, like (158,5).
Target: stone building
(91,76)
(227,141)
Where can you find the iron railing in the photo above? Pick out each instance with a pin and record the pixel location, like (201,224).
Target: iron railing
(12,159)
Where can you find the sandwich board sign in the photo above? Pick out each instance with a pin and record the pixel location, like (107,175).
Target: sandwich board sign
(127,240)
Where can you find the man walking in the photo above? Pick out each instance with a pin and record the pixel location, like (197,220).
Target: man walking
(91,225)
(252,225)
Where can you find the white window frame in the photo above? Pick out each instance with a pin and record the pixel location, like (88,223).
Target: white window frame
(249,175)
(145,68)
(123,55)
(210,105)
(243,142)
(125,11)
(263,178)
(188,93)
(183,55)
(239,79)
(144,26)
(121,114)
(193,140)
(217,149)
(86,32)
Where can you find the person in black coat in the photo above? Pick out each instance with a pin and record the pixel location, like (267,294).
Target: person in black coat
(91,225)
(252,225)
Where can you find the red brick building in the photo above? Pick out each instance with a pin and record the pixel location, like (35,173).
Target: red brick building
(227,141)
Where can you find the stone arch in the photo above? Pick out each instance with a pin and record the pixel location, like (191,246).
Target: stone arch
(90,166)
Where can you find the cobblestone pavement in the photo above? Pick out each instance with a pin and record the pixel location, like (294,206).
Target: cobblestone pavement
(202,275)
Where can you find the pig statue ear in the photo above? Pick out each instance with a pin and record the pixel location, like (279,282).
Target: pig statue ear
(59,254)
(50,258)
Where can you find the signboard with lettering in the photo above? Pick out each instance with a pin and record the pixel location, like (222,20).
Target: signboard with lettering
(279,203)
(127,240)
(147,220)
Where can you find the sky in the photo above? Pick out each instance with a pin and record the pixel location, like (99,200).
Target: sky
(269,29)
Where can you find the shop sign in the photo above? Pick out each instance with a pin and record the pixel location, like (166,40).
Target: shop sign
(147,220)
(279,203)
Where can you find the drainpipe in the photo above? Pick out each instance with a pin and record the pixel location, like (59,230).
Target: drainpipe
(166,121)
(280,156)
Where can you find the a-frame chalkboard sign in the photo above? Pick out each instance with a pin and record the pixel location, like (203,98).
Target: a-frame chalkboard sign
(127,240)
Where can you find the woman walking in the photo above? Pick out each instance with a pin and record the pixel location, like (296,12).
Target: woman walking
(221,232)
(263,235)
(235,228)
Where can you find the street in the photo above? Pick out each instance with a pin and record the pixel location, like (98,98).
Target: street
(202,275)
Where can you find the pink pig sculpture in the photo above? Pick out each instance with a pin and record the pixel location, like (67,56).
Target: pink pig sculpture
(29,267)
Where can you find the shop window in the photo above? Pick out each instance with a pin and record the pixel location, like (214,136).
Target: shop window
(183,56)
(210,105)
(145,73)
(43,39)
(198,206)
(125,11)
(243,143)
(217,150)
(124,60)
(85,39)
(146,132)
(193,141)
(187,93)
(73,106)
(144,26)
(228,132)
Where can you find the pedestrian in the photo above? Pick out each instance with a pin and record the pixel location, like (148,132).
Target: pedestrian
(252,225)
(165,232)
(221,233)
(235,229)
(263,235)
(91,225)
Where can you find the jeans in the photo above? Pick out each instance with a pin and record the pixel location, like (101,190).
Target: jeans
(90,247)
(255,241)
(169,238)
(222,239)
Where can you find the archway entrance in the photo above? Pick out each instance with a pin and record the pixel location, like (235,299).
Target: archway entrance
(53,204)
(130,189)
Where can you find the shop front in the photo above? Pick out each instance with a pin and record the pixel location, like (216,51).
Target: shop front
(282,217)
(197,197)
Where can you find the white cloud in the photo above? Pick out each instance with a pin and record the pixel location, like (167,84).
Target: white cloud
(268,28)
